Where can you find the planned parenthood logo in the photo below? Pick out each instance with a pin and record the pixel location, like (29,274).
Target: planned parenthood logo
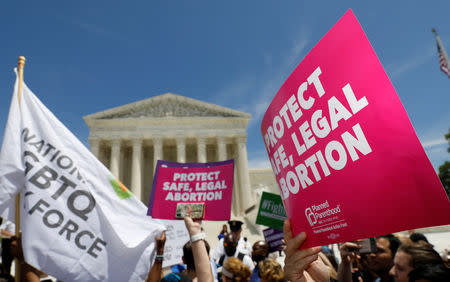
(310,216)
(321,213)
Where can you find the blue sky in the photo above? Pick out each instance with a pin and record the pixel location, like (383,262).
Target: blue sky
(88,56)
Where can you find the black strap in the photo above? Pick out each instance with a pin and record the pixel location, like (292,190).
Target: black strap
(222,258)
(241,256)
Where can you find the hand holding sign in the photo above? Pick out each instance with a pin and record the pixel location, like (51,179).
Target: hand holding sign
(302,265)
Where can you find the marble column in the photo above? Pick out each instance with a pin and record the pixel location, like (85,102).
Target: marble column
(157,151)
(221,148)
(201,150)
(245,195)
(181,150)
(136,168)
(95,147)
(236,199)
(115,157)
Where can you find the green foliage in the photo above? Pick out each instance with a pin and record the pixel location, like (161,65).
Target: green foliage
(447,136)
(444,176)
(444,170)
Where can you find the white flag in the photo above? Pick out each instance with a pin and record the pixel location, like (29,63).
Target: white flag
(78,222)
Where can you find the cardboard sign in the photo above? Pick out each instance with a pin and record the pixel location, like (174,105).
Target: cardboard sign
(345,155)
(205,189)
(274,238)
(271,212)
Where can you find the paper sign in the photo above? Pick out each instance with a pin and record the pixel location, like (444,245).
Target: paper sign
(345,155)
(206,186)
(271,212)
(176,236)
(274,238)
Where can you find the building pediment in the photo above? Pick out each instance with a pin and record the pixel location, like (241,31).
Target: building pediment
(166,106)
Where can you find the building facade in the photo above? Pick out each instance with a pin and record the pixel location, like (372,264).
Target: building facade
(130,139)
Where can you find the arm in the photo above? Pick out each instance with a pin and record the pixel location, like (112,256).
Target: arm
(201,258)
(347,254)
(156,270)
(302,265)
(5,233)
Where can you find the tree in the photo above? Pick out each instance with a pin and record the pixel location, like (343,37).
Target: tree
(444,170)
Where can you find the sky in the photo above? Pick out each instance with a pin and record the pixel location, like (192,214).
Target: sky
(84,57)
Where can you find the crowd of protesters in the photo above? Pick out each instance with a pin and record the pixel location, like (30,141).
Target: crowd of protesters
(392,258)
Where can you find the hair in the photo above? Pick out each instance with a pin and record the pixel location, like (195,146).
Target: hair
(175,277)
(271,270)
(394,242)
(189,256)
(237,269)
(434,273)
(416,237)
(422,255)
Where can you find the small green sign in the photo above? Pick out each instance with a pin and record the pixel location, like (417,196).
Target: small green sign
(271,211)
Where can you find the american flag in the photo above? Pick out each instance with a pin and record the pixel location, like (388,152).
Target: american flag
(443,58)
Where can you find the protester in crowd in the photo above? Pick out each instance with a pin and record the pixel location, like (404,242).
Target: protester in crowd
(188,259)
(230,246)
(199,252)
(381,262)
(198,246)
(7,232)
(243,246)
(260,251)
(7,228)
(223,232)
(156,270)
(28,273)
(349,254)
(234,270)
(270,271)
(418,257)
(302,265)
(372,266)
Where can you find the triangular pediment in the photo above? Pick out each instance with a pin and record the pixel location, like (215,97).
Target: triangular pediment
(166,106)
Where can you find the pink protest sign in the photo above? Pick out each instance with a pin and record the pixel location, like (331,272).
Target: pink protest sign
(344,153)
(203,189)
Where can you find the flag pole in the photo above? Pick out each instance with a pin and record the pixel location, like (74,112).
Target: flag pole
(20,67)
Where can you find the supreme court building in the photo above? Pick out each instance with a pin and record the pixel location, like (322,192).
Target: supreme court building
(130,139)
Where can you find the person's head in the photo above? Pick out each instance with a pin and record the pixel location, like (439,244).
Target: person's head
(417,237)
(236,228)
(260,250)
(270,270)
(234,270)
(230,244)
(188,256)
(382,261)
(224,228)
(413,256)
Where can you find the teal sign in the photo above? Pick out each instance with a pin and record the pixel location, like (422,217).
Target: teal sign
(271,211)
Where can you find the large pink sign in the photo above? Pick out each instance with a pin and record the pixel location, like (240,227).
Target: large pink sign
(344,153)
(203,189)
